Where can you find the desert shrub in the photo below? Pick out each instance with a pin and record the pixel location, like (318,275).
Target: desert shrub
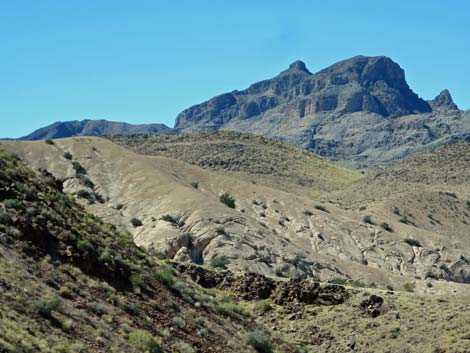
(227,199)
(183,347)
(308,213)
(387,227)
(137,283)
(367,219)
(395,332)
(136,222)
(4,218)
(12,203)
(168,218)
(78,168)
(119,206)
(49,142)
(165,275)
(220,262)
(144,342)
(320,208)
(389,287)
(84,180)
(229,307)
(68,155)
(178,321)
(338,281)
(85,246)
(260,341)
(409,287)
(45,307)
(97,308)
(263,306)
(195,184)
(412,242)
(220,230)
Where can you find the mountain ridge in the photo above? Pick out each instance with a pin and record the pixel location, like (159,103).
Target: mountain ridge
(88,127)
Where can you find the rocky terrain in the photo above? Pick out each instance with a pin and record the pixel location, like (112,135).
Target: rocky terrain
(70,282)
(94,128)
(358,229)
(359,112)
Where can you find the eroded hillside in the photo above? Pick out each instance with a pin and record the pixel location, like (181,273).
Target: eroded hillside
(176,208)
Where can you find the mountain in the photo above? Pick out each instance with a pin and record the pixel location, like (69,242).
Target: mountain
(94,128)
(359,112)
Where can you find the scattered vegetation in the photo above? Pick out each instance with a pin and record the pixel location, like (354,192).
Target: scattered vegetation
(260,341)
(49,142)
(220,262)
(367,219)
(409,287)
(136,222)
(195,184)
(412,242)
(144,342)
(386,227)
(227,199)
(320,208)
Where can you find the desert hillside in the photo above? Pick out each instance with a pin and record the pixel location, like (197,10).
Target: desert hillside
(205,216)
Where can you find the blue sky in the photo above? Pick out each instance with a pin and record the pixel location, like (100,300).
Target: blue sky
(145,61)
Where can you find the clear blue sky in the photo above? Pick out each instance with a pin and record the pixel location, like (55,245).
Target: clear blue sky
(145,61)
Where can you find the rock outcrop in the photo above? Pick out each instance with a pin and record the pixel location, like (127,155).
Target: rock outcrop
(360,84)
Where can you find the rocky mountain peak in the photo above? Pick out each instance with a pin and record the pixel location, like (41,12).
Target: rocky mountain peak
(443,101)
(299,65)
(359,84)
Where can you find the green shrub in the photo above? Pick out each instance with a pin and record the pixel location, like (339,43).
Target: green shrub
(165,275)
(5,218)
(220,262)
(137,283)
(178,321)
(78,168)
(136,222)
(119,206)
(320,208)
(68,155)
(49,142)
(263,306)
(45,307)
(367,219)
(143,341)
(195,184)
(387,227)
(183,347)
(308,213)
(395,332)
(97,308)
(260,341)
(85,246)
(412,242)
(229,308)
(168,218)
(409,286)
(84,180)
(227,199)
(12,203)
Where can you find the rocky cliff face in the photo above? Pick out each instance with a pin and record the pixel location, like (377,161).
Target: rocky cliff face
(359,112)
(360,84)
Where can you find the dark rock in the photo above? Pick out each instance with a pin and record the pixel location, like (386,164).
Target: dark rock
(373,305)
(443,101)
(308,292)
